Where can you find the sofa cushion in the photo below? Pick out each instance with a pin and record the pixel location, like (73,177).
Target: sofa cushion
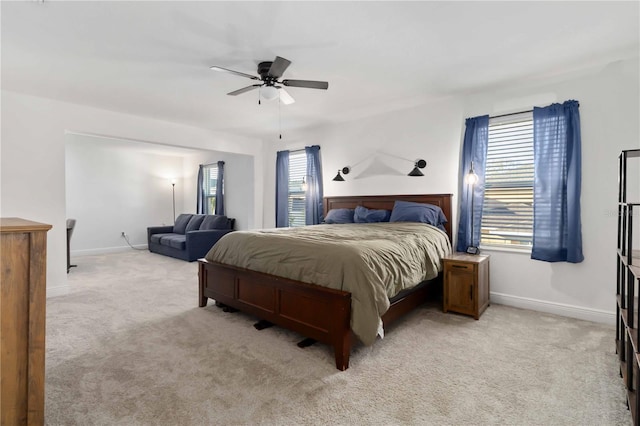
(194,223)
(155,238)
(182,221)
(176,241)
(215,221)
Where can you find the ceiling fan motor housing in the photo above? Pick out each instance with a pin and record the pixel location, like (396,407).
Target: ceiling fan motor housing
(263,70)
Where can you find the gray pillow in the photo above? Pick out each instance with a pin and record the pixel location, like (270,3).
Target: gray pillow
(215,221)
(181,223)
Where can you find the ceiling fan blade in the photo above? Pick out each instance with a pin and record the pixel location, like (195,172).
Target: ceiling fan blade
(285,97)
(278,67)
(310,84)
(241,74)
(244,89)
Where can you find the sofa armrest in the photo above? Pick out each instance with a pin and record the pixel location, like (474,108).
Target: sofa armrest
(158,230)
(200,242)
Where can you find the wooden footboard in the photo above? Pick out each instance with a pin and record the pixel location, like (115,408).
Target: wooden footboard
(291,304)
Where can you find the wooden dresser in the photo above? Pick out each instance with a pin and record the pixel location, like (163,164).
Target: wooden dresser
(23,249)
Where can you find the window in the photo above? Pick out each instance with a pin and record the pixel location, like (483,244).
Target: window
(210,177)
(297,189)
(507,213)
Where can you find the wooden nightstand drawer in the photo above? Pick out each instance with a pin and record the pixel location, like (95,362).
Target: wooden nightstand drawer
(466,284)
(462,266)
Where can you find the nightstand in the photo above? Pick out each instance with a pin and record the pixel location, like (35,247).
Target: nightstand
(466,283)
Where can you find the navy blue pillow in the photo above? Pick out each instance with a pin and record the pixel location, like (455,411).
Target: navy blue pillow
(194,223)
(181,223)
(365,215)
(215,221)
(406,211)
(339,216)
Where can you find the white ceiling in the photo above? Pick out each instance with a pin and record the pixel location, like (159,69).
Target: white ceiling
(153,58)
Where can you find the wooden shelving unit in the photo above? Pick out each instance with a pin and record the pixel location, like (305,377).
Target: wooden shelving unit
(628,277)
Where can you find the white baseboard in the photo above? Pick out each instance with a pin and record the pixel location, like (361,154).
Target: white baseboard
(588,314)
(105,250)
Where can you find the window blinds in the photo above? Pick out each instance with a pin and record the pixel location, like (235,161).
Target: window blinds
(507,213)
(297,174)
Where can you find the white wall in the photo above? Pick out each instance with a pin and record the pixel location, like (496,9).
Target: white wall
(610,113)
(239,186)
(32,166)
(112,187)
(431,132)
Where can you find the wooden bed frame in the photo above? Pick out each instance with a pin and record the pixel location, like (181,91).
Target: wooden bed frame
(303,307)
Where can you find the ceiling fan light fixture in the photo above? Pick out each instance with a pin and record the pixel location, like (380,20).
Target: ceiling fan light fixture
(269,93)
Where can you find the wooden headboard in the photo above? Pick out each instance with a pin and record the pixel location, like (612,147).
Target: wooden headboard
(386,202)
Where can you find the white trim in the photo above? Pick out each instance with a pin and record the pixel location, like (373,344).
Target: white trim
(579,312)
(106,250)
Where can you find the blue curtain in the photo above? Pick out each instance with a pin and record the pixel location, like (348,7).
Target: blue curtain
(557,229)
(313,197)
(474,148)
(282,189)
(200,195)
(220,189)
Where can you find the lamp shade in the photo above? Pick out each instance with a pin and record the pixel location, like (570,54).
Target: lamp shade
(269,93)
(415,172)
(338,177)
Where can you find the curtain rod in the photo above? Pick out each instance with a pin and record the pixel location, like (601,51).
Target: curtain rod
(513,113)
(212,164)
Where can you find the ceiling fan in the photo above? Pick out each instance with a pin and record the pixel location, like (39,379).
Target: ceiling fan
(270,86)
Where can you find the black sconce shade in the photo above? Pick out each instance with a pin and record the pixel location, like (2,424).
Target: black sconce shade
(419,164)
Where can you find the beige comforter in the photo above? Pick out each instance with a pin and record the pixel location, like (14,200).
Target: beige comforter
(373,261)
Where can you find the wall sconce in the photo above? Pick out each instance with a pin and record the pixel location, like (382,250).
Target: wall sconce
(419,164)
(345,171)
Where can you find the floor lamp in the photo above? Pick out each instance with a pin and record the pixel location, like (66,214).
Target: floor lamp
(173,193)
(471,179)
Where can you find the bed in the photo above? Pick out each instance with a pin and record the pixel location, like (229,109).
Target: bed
(320,313)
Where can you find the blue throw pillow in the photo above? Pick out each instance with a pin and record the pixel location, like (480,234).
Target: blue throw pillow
(365,215)
(339,216)
(406,211)
(215,221)
(194,223)
(181,223)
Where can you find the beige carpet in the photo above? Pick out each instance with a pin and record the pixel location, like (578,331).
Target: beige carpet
(129,346)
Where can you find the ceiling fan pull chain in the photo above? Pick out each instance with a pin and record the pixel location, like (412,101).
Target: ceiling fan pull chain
(259,88)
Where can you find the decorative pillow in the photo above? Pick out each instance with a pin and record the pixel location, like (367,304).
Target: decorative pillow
(406,211)
(365,215)
(194,223)
(181,223)
(339,216)
(215,221)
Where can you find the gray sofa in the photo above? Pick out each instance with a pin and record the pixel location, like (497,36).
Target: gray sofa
(191,237)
